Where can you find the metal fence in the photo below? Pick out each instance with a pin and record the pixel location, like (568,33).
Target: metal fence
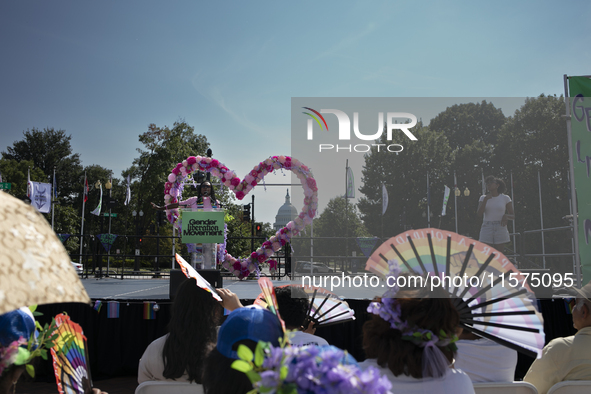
(153,255)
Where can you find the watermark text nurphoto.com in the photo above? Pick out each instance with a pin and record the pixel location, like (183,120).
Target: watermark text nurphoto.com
(509,280)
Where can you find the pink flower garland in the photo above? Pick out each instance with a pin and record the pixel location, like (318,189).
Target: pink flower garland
(243,267)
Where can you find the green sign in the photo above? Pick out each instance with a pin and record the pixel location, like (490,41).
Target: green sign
(202,227)
(5,185)
(107,214)
(580,107)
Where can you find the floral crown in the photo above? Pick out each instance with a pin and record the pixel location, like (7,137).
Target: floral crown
(389,310)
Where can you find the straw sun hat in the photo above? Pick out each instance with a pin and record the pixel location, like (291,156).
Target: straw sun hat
(34,266)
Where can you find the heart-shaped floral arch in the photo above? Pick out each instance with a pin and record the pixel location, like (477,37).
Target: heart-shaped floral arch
(242,267)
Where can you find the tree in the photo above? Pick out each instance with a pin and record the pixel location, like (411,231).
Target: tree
(535,139)
(164,147)
(47,149)
(15,173)
(405,177)
(335,230)
(339,219)
(472,131)
(463,124)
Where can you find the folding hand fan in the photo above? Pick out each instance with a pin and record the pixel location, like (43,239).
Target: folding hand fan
(325,307)
(70,357)
(490,294)
(191,273)
(269,296)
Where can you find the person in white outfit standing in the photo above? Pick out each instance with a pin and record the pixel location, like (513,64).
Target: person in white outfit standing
(496,209)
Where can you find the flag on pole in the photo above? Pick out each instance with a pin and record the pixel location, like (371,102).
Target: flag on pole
(445,199)
(350,184)
(128,192)
(97,210)
(54,186)
(85,193)
(384,199)
(40,196)
(483,183)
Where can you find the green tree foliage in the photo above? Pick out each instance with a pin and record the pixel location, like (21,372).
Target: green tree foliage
(472,131)
(67,221)
(335,230)
(15,173)
(535,139)
(164,147)
(405,177)
(463,124)
(239,232)
(476,139)
(49,148)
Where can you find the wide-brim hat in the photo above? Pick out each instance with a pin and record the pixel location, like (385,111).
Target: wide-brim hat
(34,265)
(583,292)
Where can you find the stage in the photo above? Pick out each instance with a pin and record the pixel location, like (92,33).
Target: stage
(349,287)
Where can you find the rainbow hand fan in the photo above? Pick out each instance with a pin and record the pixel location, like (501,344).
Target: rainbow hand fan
(496,303)
(70,357)
(326,308)
(190,272)
(269,296)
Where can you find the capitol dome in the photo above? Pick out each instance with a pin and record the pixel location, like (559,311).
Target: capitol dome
(285,214)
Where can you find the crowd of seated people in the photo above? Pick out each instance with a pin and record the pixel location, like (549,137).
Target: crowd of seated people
(411,337)
(412,362)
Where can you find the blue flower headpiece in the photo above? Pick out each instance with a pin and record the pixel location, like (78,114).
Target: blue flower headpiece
(307,369)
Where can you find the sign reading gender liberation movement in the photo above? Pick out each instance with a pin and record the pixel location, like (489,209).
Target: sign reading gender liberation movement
(580,107)
(203,227)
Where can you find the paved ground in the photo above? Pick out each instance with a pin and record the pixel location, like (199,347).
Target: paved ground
(355,287)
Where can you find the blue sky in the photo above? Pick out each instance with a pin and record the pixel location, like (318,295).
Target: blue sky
(104,70)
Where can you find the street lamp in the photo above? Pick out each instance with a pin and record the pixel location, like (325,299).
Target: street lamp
(108,186)
(458,193)
(137,231)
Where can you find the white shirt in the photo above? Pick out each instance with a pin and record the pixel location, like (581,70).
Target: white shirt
(151,364)
(495,207)
(301,338)
(454,382)
(486,361)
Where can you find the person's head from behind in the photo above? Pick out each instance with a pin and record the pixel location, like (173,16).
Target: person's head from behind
(192,327)
(16,328)
(581,310)
(293,305)
(246,326)
(418,309)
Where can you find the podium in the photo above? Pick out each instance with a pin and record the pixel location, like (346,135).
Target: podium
(177,277)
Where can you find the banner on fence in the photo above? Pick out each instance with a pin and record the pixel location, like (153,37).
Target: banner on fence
(107,240)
